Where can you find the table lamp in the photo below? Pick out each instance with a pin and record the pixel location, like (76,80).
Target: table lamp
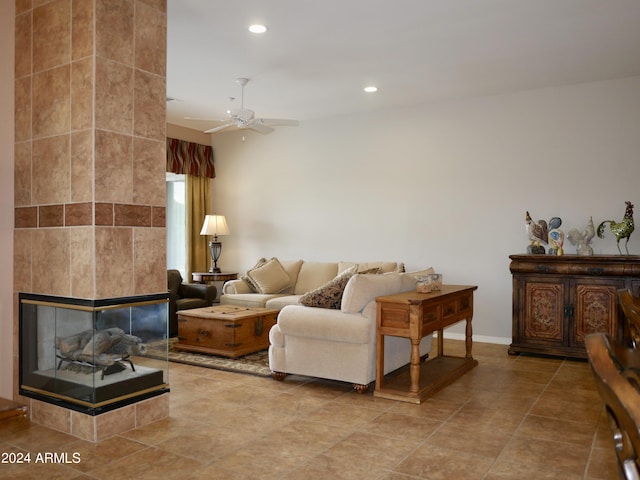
(214,225)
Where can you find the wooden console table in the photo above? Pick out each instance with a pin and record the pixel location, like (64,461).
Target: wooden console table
(415,315)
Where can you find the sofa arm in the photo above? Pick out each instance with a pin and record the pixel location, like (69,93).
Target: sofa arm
(236,286)
(199,290)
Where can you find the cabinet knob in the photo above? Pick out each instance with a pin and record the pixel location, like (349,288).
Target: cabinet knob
(568,311)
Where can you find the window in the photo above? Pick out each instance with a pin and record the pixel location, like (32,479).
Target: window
(176,224)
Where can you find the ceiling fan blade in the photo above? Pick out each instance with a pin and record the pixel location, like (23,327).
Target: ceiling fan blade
(279,121)
(221,127)
(259,127)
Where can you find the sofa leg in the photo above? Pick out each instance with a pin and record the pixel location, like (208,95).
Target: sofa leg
(360,388)
(278,376)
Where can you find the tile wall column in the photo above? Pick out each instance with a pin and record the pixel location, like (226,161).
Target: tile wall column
(90,99)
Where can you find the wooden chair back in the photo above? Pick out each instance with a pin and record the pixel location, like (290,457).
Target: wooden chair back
(617,373)
(631,308)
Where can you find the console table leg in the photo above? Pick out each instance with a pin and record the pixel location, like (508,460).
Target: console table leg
(415,365)
(468,339)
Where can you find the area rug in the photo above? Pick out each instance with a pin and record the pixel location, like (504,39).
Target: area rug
(253,363)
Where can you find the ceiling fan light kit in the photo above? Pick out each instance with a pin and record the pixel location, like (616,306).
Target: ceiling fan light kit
(243,118)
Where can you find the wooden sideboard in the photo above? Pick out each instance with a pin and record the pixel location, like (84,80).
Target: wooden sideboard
(559,300)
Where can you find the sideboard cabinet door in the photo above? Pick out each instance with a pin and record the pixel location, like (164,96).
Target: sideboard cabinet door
(596,309)
(540,317)
(559,300)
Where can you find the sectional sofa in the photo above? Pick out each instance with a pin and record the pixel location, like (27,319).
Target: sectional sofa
(326,327)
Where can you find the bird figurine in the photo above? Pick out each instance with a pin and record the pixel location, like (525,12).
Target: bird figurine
(556,237)
(582,240)
(622,229)
(538,233)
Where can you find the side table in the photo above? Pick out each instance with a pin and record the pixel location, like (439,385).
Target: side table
(204,277)
(415,315)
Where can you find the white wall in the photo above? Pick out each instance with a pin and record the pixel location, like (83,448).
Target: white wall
(7,15)
(444,185)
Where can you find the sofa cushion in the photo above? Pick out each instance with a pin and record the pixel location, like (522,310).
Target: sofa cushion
(362,289)
(314,274)
(270,277)
(385,267)
(278,302)
(249,300)
(328,295)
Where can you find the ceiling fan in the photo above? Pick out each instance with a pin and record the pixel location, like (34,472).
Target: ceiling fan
(244,118)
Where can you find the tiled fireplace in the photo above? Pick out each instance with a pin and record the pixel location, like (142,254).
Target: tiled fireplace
(90,162)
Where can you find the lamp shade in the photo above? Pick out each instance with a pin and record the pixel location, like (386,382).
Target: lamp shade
(214,225)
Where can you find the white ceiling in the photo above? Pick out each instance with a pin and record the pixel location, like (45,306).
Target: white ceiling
(317,55)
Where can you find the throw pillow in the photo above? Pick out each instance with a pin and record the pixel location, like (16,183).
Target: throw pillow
(270,277)
(420,273)
(329,295)
(369,271)
(245,277)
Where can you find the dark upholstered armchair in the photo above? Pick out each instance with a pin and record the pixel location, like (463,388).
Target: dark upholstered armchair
(184,296)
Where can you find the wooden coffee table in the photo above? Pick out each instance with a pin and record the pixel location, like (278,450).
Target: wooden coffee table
(225,330)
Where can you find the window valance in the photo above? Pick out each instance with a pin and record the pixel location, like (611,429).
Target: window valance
(190,158)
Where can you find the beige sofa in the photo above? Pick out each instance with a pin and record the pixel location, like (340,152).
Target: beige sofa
(341,344)
(266,286)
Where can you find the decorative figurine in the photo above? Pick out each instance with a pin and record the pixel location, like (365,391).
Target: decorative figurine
(582,240)
(622,229)
(556,237)
(538,233)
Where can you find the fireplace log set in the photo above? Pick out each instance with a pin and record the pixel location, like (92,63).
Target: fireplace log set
(102,349)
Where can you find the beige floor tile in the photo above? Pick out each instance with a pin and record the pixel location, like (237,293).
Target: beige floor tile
(343,415)
(484,441)
(431,408)
(148,464)
(587,412)
(95,455)
(602,464)
(325,467)
(560,430)
(402,426)
(507,470)
(488,416)
(546,455)
(438,463)
(384,452)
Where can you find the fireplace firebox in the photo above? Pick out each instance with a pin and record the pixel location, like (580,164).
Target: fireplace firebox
(93,356)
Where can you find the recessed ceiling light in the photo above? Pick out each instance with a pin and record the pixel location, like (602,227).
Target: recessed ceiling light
(257,28)
(371,89)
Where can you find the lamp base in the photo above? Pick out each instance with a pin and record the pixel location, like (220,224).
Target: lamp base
(214,270)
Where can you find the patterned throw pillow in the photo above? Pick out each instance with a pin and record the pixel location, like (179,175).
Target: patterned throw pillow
(329,295)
